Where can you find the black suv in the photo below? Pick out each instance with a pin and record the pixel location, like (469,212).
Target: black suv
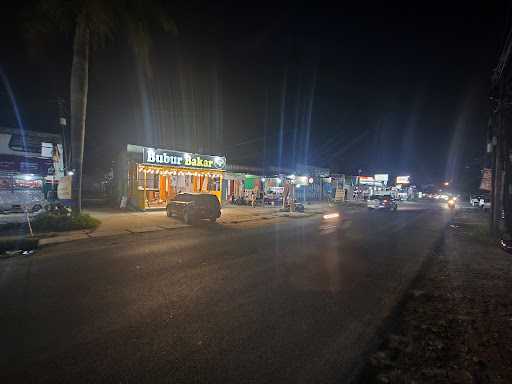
(194,206)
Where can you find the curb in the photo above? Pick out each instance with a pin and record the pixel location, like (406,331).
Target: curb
(69,237)
(97,235)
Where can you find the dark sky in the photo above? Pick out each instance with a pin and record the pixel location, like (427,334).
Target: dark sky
(382,88)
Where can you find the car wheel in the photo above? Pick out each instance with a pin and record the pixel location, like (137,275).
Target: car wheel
(213,219)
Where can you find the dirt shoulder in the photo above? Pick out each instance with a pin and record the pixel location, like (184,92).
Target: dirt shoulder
(455,326)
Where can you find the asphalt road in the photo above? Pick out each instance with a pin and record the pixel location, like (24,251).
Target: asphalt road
(298,300)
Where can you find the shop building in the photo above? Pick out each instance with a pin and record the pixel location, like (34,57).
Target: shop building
(315,185)
(148,177)
(240,181)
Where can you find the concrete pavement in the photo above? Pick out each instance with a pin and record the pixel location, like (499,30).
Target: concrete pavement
(293,301)
(117,222)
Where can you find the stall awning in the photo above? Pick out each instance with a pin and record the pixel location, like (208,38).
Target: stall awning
(151,169)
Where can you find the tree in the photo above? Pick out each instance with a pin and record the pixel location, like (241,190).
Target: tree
(93,23)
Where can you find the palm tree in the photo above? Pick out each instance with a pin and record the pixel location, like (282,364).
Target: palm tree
(93,23)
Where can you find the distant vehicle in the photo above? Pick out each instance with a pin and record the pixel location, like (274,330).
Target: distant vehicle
(21,193)
(194,206)
(475,200)
(31,166)
(298,207)
(402,196)
(451,203)
(484,204)
(382,202)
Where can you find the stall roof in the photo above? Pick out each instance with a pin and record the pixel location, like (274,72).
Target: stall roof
(52,137)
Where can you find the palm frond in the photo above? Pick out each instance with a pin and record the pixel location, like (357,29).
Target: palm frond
(43,23)
(102,20)
(140,16)
(140,41)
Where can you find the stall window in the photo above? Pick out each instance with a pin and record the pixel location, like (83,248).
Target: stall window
(214,184)
(152,180)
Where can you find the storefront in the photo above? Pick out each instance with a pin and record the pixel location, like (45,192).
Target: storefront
(234,186)
(241,181)
(149,177)
(369,185)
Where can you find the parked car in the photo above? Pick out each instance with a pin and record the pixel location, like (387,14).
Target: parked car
(475,200)
(382,202)
(194,206)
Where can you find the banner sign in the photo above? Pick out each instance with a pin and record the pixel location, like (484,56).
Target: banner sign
(382,177)
(64,188)
(486,182)
(403,179)
(366,180)
(156,156)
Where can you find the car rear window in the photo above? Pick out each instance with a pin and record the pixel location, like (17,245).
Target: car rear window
(206,199)
(380,197)
(183,197)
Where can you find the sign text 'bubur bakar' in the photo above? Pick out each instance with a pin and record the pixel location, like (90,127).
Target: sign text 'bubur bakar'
(183,159)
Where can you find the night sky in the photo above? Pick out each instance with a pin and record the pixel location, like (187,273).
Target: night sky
(378,88)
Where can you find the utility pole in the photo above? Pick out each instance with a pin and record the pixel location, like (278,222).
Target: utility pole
(501,198)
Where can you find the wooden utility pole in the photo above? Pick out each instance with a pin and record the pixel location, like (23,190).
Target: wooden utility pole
(501,198)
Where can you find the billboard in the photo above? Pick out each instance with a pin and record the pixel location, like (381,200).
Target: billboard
(382,177)
(403,179)
(366,180)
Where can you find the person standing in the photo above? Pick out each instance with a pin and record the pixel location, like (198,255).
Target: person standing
(253,199)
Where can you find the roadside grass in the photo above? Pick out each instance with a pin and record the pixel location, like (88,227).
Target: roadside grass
(478,232)
(49,222)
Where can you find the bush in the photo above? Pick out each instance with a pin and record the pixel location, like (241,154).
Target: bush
(48,222)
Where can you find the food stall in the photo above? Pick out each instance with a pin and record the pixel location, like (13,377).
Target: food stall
(149,177)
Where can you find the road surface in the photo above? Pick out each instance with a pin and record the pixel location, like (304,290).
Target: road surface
(296,300)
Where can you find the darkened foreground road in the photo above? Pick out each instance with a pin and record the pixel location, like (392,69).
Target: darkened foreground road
(295,301)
